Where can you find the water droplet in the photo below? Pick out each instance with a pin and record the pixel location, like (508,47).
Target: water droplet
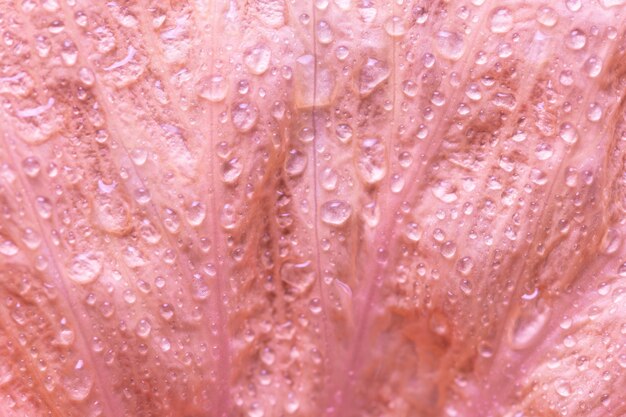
(413,231)
(292,404)
(31,238)
(85,267)
(143,328)
(112,214)
(66,337)
(485,350)
(231,170)
(328,179)
(166,311)
(573,5)
(244,116)
(410,88)
(257,59)
(594,112)
(528,324)
(343,132)
(450,45)
(612,3)
(336,212)
(593,66)
(576,39)
(371,162)
(78,384)
(213,88)
(196,212)
(465,265)
(501,20)
(543,151)
(324,32)
(394,26)
(372,74)
(563,388)
(448,249)
(547,16)
(43,207)
(69,53)
(139,156)
(165,344)
(568,133)
(342,52)
(445,191)
(295,163)
(8,248)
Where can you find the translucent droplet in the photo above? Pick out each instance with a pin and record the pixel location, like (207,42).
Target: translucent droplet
(295,163)
(573,5)
(563,388)
(213,88)
(576,39)
(7,247)
(413,232)
(612,3)
(528,324)
(394,26)
(196,212)
(165,344)
(465,265)
(171,221)
(445,191)
(501,20)
(112,214)
(593,66)
(231,170)
(244,116)
(568,133)
(547,16)
(544,151)
(372,74)
(448,249)
(85,267)
(324,32)
(342,52)
(66,337)
(594,112)
(143,328)
(450,45)
(371,162)
(43,207)
(336,212)
(257,59)
(343,132)
(166,311)
(410,88)
(78,383)
(328,179)
(139,156)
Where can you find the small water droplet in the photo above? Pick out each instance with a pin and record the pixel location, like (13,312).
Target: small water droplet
(573,5)
(43,207)
(328,179)
(336,212)
(166,311)
(448,249)
(78,383)
(465,265)
(410,88)
(344,132)
(85,267)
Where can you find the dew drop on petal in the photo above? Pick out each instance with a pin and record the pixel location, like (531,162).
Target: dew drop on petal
(336,212)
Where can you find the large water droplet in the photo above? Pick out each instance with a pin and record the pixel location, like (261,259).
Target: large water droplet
(528,324)
(244,116)
(295,163)
(371,162)
(450,45)
(196,212)
(568,133)
(547,16)
(336,212)
(576,39)
(258,58)
(501,20)
(78,383)
(213,88)
(394,26)
(372,74)
(85,267)
(7,247)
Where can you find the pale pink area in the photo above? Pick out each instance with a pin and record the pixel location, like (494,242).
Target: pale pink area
(272,208)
